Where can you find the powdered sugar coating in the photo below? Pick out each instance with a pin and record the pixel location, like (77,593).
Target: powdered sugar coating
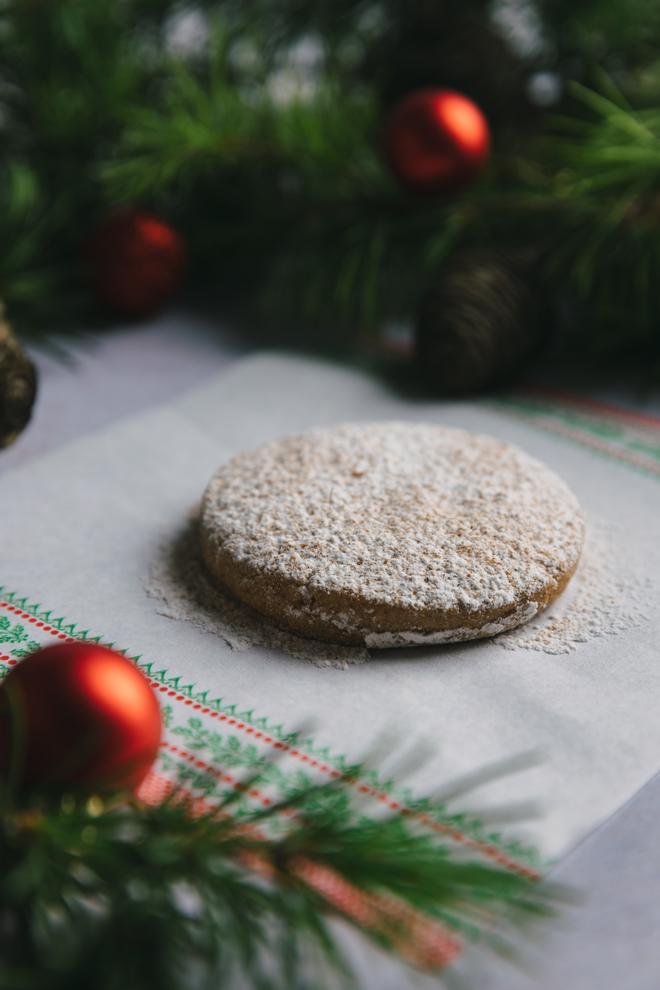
(417,519)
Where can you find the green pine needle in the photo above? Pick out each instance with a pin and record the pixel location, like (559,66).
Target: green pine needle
(118,894)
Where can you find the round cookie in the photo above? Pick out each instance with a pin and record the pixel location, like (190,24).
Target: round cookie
(390,534)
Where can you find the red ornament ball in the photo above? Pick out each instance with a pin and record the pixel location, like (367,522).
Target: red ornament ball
(77,716)
(136,262)
(436,140)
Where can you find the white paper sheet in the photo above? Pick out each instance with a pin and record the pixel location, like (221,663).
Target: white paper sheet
(79,530)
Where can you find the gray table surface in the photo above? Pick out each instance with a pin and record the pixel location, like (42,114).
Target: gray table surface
(611,940)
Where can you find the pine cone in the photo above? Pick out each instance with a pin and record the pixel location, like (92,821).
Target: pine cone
(479,321)
(18,385)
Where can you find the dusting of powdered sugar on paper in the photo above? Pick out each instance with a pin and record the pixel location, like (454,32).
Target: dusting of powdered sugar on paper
(608,594)
(179,586)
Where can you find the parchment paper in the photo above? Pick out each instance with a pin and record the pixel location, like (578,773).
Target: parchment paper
(79,531)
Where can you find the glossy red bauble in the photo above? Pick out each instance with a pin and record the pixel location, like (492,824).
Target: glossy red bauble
(436,140)
(77,716)
(136,262)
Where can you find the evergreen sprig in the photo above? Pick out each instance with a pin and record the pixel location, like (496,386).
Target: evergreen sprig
(122,894)
(600,198)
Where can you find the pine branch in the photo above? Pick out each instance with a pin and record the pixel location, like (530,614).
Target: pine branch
(210,120)
(598,195)
(130,895)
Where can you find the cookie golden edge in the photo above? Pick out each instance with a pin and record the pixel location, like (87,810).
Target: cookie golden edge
(345,619)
